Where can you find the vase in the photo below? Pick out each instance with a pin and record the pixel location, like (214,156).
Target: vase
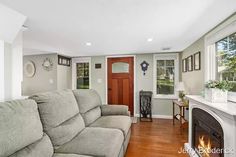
(215,95)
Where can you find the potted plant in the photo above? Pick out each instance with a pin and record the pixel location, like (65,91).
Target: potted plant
(217,91)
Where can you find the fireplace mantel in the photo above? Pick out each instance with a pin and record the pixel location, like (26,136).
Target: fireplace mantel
(224,113)
(228,108)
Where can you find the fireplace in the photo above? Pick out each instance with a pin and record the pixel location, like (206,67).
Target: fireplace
(212,128)
(207,137)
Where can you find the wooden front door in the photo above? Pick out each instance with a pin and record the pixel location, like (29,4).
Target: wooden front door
(121,81)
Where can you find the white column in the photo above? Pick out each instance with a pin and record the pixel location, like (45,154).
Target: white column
(17,66)
(1,70)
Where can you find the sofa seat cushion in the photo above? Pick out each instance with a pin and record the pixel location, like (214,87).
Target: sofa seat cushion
(117,122)
(69,155)
(41,148)
(20,126)
(95,142)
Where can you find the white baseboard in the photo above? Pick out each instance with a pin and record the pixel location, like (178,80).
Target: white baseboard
(159,116)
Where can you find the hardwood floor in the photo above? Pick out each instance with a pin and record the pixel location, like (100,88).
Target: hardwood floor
(156,139)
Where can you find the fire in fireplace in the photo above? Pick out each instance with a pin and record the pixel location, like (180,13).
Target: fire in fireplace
(207,137)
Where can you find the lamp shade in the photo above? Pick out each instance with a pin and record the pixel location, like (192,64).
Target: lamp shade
(180,86)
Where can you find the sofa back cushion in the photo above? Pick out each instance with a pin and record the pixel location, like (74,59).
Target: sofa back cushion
(41,148)
(60,115)
(89,103)
(20,126)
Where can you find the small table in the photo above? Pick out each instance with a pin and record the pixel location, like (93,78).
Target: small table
(180,116)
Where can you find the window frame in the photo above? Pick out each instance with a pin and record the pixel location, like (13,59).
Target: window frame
(168,56)
(210,52)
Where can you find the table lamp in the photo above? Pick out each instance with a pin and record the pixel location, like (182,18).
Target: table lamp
(180,88)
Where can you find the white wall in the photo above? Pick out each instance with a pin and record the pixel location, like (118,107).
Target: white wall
(17,66)
(11,69)
(1,70)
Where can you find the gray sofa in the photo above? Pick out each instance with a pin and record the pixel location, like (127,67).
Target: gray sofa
(63,124)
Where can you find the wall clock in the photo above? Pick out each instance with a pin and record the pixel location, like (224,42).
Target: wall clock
(144,67)
(47,64)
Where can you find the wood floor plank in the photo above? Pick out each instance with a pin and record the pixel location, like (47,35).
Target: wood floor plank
(156,139)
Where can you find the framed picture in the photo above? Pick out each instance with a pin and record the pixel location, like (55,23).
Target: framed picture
(197,61)
(190,63)
(184,65)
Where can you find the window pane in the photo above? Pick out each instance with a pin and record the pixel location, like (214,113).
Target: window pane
(160,62)
(82,75)
(169,62)
(120,67)
(165,77)
(232,42)
(226,59)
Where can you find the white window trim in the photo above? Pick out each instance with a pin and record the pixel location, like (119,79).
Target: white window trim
(80,60)
(168,56)
(210,53)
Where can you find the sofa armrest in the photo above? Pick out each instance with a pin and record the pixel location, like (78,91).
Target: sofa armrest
(108,110)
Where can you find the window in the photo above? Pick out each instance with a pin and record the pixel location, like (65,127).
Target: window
(166,70)
(226,60)
(82,75)
(220,60)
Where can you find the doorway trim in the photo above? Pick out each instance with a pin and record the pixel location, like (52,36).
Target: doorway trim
(106,81)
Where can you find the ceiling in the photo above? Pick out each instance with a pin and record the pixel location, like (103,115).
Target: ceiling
(117,26)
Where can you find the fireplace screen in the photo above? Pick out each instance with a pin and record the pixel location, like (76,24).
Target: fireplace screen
(208,139)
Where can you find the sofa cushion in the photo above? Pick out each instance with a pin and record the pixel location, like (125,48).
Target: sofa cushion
(87,99)
(91,115)
(95,142)
(69,155)
(89,103)
(20,125)
(41,148)
(117,122)
(60,115)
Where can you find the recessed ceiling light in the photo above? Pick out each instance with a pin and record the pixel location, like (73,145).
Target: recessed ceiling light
(149,39)
(88,44)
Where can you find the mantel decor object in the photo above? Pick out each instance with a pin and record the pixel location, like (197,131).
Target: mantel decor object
(144,67)
(47,64)
(217,91)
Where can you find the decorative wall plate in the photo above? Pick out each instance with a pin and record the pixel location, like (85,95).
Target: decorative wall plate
(29,69)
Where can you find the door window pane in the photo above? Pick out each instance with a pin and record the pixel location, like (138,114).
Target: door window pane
(120,67)
(165,77)
(226,59)
(82,75)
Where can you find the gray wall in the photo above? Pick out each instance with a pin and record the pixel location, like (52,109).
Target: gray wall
(40,82)
(56,79)
(64,77)
(143,82)
(98,77)
(194,80)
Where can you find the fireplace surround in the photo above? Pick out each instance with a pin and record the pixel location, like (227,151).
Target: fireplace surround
(207,134)
(212,128)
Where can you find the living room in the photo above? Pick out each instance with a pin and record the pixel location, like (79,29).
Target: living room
(118,78)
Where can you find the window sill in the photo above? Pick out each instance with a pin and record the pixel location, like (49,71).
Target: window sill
(232,96)
(165,97)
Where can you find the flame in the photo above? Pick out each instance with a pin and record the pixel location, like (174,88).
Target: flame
(204,147)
